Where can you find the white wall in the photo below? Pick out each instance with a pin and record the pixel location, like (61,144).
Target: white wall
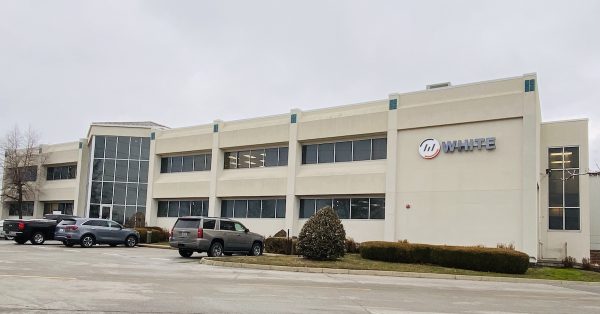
(595,212)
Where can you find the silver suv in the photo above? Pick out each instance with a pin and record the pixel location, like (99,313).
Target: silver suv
(216,236)
(90,231)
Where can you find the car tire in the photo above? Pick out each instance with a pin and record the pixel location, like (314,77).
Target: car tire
(256,249)
(131,241)
(20,241)
(215,250)
(87,241)
(185,253)
(38,238)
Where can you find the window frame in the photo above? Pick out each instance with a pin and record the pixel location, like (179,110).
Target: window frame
(563,170)
(316,144)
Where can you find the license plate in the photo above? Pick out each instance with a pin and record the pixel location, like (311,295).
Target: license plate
(185,234)
(12,233)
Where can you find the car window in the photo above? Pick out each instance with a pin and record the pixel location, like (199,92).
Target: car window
(67,222)
(227,225)
(102,223)
(239,227)
(209,224)
(89,223)
(114,224)
(188,223)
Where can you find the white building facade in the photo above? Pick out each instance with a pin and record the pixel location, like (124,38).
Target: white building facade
(458,165)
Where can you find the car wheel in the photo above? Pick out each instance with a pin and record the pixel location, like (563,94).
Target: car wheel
(216,249)
(38,238)
(256,249)
(87,241)
(131,241)
(9,238)
(185,253)
(20,241)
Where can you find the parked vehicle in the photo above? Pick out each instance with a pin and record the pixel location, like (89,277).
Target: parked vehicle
(216,236)
(3,234)
(90,231)
(37,231)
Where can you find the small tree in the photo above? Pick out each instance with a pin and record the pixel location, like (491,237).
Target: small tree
(323,236)
(19,157)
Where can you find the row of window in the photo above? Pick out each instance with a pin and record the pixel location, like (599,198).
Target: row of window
(346,208)
(65,208)
(185,163)
(118,193)
(122,147)
(120,170)
(257,158)
(256,208)
(119,213)
(176,208)
(61,172)
(27,174)
(27,208)
(369,149)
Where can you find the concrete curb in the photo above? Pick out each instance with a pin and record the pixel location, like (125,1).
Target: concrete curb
(154,246)
(216,262)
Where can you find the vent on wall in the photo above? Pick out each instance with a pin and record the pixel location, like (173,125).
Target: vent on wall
(439,85)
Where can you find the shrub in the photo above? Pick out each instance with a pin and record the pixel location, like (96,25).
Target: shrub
(280,234)
(352,246)
(322,237)
(158,234)
(569,262)
(472,258)
(509,246)
(585,264)
(279,245)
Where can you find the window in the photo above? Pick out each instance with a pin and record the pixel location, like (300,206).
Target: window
(65,208)
(368,149)
(61,173)
(227,225)
(256,158)
(186,163)
(239,227)
(209,224)
(181,208)
(346,207)
(119,176)
(253,208)
(187,223)
(563,188)
(27,208)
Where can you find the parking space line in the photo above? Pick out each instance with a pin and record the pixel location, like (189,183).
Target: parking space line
(40,277)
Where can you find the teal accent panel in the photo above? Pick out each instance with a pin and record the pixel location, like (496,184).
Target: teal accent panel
(393,104)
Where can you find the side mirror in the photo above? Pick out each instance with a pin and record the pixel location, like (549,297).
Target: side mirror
(247,230)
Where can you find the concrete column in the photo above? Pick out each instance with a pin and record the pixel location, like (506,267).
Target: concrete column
(38,209)
(294,160)
(216,167)
(531,169)
(153,172)
(391,180)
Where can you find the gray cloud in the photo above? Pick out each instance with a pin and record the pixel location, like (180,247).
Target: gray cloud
(64,64)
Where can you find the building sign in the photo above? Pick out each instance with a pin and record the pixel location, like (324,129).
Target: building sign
(430,147)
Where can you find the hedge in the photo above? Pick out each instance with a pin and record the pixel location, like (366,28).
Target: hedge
(158,234)
(280,245)
(471,258)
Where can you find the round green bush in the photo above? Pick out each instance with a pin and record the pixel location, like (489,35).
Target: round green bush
(323,236)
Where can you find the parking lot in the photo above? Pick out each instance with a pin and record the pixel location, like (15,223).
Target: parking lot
(52,277)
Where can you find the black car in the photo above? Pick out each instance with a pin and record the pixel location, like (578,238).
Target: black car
(37,231)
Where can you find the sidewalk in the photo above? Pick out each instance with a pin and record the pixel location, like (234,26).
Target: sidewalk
(216,262)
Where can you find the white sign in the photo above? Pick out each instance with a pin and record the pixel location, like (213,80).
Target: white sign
(429,148)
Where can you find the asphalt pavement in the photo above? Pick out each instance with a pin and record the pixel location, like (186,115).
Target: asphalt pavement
(53,278)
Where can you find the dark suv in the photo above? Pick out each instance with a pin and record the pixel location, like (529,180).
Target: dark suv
(216,236)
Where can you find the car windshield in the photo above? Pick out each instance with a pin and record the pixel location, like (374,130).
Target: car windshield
(188,223)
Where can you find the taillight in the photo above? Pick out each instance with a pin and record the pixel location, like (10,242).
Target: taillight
(21,226)
(71,228)
(200,233)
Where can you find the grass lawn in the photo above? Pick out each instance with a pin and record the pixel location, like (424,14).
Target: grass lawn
(354,261)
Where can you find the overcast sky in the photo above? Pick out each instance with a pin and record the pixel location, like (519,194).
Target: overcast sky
(64,64)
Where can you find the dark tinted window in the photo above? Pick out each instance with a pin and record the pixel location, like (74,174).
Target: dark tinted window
(134,170)
(111,147)
(343,151)
(134,150)
(342,207)
(555,220)
(309,154)
(176,164)
(123,147)
(377,208)
(97,169)
(281,208)
(571,218)
(109,170)
(163,209)
(271,157)
(184,208)
(359,208)
(230,160)
(143,172)
(164,165)
(325,153)
(362,150)
(188,164)
(173,209)
(208,224)
(227,225)
(107,192)
(283,156)
(188,223)
(379,148)
(227,208)
(307,208)
(99,147)
(199,162)
(254,208)
(121,171)
(240,209)
(268,208)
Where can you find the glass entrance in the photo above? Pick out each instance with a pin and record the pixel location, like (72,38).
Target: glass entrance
(106,212)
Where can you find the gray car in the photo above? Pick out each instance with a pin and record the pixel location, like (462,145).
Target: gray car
(90,231)
(216,236)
